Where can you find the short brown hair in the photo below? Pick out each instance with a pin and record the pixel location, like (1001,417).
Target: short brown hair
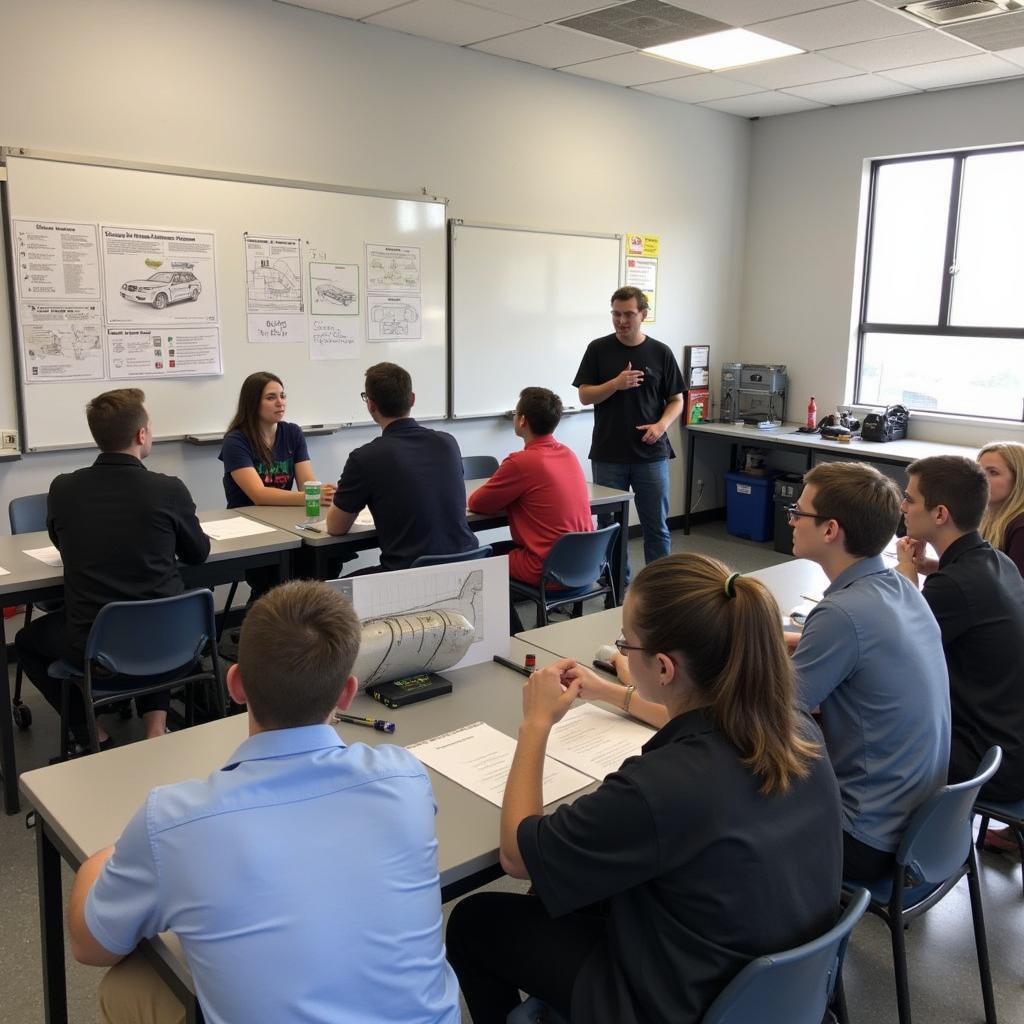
(389,387)
(115,417)
(628,292)
(297,648)
(956,482)
(725,628)
(542,409)
(864,502)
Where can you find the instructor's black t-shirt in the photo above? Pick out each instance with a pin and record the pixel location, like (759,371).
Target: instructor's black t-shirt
(616,438)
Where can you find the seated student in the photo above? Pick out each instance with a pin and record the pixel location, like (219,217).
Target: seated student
(301,877)
(119,530)
(263,455)
(977,596)
(870,656)
(409,477)
(1002,525)
(720,843)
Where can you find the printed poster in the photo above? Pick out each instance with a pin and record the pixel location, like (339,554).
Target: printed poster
(393,269)
(334,289)
(141,352)
(56,260)
(159,276)
(61,341)
(273,274)
(393,318)
(642,273)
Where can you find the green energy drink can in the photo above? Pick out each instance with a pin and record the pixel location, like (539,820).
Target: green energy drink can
(312,489)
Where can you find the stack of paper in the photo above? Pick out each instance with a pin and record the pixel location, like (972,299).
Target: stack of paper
(231,529)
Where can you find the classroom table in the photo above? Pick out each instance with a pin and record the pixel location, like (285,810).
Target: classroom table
(787,437)
(83,805)
(323,547)
(791,583)
(29,579)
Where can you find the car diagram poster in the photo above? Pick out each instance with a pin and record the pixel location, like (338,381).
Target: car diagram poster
(393,318)
(334,289)
(136,352)
(56,260)
(393,269)
(158,276)
(273,275)
(61,341)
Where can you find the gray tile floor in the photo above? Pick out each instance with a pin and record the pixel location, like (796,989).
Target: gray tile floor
(943,968)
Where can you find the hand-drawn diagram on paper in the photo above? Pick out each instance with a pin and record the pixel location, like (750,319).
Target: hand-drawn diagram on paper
(273,269)
(61,342)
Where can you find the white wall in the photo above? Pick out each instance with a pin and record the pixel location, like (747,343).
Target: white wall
(262,88)
(804,242)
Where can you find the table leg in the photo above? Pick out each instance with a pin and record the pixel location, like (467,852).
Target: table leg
(51,928)
(620,552)
(691,441)
(8,765)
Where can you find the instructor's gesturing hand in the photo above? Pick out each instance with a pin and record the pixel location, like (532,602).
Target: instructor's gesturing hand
(652,432)
(629,378)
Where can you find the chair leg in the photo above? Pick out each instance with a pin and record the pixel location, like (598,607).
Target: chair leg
(65,725)
(19,672)
(982,829)
(839,1001)
(227,609)
(980,940)
(90,724)
(577,610)
(899,953)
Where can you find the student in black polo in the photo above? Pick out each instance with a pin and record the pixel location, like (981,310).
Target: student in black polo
(410,478)
(720,843)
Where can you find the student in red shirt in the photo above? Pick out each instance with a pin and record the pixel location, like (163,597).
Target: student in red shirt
(542,487)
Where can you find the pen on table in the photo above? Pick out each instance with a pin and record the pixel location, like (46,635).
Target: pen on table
(310,527)
(813,600)
(371,723)
(523,670)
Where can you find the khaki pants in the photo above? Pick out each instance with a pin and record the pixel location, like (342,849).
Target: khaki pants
(132,992)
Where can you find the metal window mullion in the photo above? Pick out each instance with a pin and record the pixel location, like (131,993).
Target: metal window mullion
(952,223)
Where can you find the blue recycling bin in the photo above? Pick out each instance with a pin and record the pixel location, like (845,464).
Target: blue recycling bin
(749,510)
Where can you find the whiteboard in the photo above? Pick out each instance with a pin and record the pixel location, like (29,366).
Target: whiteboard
(334,227)
(524,305)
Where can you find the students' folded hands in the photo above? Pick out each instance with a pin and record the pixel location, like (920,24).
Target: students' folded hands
(549,693)
(592,686)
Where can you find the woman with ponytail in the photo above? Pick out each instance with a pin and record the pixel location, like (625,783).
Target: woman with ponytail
(720,843)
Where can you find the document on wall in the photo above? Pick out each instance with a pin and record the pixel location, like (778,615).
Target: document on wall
(333,337)
(232,529)
(276,328)
(159,276)
(393,318)
(61,341)
(139,352)
(334,289)
(478,758)
(56,260)
(50,555)
(596,741)
(393,269)
(273,274)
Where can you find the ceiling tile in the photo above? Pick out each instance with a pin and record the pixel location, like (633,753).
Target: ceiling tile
(1003,32)
(852,90)
(900,51)
(763,104)
(799,69)
(837,26)
(448,21)
(746,12)
(541,10)
(550,46)
(644,23)
(962,71)
(699,88)
(344,8)
(631,69)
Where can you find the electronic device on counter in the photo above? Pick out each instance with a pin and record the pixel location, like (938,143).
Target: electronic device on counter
(890,425)
(400,692)
(754,393)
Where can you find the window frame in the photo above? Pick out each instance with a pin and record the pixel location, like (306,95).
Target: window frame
(942,328)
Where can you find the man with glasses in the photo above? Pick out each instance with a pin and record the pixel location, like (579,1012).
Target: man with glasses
(870,658)
(410,478)
(636,388)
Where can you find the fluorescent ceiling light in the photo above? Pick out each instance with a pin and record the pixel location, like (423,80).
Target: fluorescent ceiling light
(731,49)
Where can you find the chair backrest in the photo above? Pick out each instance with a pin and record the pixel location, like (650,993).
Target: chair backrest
(577,559)
(938,837)
(28,513)
(459,556)
(793,987)
(478,467)
(145,638)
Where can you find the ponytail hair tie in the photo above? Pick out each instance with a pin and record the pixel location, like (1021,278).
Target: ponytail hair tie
(730,590)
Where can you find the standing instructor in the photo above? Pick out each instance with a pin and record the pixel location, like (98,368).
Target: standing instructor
(635,386)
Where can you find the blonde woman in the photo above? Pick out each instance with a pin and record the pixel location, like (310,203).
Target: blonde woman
(1003,523)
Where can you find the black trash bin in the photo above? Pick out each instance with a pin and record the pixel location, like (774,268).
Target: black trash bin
(787,490)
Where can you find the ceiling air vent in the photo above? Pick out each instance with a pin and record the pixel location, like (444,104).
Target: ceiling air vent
(955,12)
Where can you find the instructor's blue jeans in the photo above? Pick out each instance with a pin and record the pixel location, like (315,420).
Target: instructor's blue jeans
(649,483)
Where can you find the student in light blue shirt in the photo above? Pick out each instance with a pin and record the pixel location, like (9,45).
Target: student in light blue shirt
(301,878)
(870,657)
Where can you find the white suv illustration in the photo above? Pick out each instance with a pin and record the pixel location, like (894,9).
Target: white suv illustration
(162,288)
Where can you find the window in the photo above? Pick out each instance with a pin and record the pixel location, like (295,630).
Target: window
(942,312)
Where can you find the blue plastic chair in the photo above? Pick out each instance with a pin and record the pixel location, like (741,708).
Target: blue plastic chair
(793,987)
(459,556)
(936,851)
(28,515)
(142,647)
(1008,814)
(478,467)
(580,563)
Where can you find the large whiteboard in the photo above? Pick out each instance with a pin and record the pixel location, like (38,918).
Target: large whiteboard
(524,305)
(334,227)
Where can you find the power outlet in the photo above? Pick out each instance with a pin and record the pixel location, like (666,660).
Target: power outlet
(9,440)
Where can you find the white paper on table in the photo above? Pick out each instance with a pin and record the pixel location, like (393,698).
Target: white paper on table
(478,757)
(595,741)
(230,529)
(50,555)
(4,572)
(365,518)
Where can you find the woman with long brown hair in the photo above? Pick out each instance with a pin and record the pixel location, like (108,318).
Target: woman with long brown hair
(1003,522)
(720,843)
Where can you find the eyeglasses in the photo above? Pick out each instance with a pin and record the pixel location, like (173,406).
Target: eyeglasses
(621,646)
(792,512)
(362,395)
